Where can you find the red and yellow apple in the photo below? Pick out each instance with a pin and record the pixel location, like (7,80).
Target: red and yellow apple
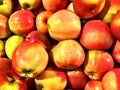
(111,80)
(4,27)
(97,63)
(63,25)
(96,34)
(76,79)
(115,25)
(87,8)
(93,85)
(21,22)
(54,5)
(67,54)
(41,21)
(52,78)
(29,59)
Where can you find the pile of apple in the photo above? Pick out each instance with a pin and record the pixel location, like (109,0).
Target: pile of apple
(59,44)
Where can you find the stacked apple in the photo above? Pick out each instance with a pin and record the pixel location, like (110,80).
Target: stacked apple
(59,45)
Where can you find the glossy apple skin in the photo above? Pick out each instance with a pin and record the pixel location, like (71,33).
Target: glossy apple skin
(36,36)
(88,8)
(11,81)
(21,22)
(97,63)
(116,51)
(76,79)
(41,21)
(2,48)
(93,85)
(30,4)
(115,25)
(6,7)
(67,54)
(52,78)
(96,35)
(4,27)
(29,59)
(54,5)
(63,25)
(111,80)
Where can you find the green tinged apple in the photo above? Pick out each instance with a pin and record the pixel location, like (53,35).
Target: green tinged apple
(12,43)
(6,7)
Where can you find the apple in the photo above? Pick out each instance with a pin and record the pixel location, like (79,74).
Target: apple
(63,25)
(5,65)
(4,27)
(52,78)
(36,36)
(30,4)
(6,7)
(54,5)
(93,85)
(114,25)
(116,51)
(96,34)
(2,48)
(111,80)
(10,81)
(87,8)
(21,22)
(41,21)
(12,43)
(76,79)
(67,54)
(29,59)
(110,9)
(70,7)
(97,63)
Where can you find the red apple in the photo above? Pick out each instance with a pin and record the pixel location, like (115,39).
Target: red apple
(63,25)
(93,85)
(111,80)
(29,59)
(115,25)
(88,8)
(96,35)
(54,5)
(36,36)
(97,63)
(10,81)
(76,79)
(4,27)
(67,54)
(41,21)
(116,51)
(52,78)
(21,22)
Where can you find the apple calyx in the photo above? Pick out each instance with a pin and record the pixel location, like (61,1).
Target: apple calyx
(26,6)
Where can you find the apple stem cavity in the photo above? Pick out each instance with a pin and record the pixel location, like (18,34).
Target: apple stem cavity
(26,6)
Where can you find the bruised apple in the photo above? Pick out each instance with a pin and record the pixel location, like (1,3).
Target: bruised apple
(67,54)
(21,22)
(96,35)
(54,5)
(52,78)
(63,25)
(97,63)
(41,21)
(29,59)
(88,8)
(111,80)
